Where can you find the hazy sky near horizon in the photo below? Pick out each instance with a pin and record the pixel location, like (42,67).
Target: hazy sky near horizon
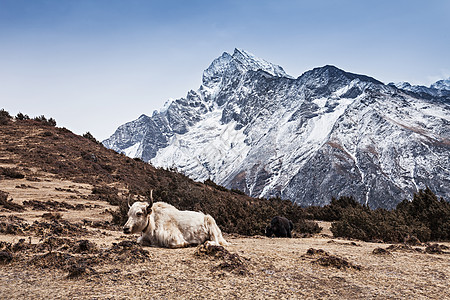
(94,65)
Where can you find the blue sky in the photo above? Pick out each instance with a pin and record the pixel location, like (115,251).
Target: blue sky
(94,65)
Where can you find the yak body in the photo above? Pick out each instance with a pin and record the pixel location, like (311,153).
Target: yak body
(161,224)
(280,227)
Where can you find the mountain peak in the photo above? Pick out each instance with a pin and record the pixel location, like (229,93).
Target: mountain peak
(241,62)
(332,72)
(443,84)
(323,135)
(440,89)
(250,62)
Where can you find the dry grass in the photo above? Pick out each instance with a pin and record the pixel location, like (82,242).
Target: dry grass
(102,263)
(63,245)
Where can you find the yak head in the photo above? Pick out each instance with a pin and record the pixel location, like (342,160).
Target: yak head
(138,214)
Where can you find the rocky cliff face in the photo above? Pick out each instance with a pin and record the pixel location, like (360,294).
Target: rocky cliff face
(327,133)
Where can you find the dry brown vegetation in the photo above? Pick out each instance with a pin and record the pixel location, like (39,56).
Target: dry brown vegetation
(58,238)
(32,145)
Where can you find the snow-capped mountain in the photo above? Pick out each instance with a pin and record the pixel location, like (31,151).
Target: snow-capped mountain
(443,84)
(327,133)
(439,89)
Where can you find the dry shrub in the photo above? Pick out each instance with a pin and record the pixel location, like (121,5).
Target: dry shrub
(84,246)
(120,216)
(54,227)
(54,259)
(316,252)
(90,137)
(12,173)
(52,205)
(25,186)
(21,246)
(10,228)
(126,251)
(412,241)
(344,243)
(325,259)
(5,246)
(100,224)
(381,251)
(8,204)
(307,228)
(5,257)
(104,190)
(77,257)
(79,270)
(231,262)
(81,159)
(436,249)
(57,228)
(403,247)
(336,262)
(52,216)
(107,193)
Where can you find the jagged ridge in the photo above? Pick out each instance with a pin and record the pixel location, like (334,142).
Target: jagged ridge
(326,133)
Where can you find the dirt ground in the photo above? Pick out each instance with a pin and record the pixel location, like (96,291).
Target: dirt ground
(71,251)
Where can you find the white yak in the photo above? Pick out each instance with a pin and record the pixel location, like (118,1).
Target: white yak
(161,224)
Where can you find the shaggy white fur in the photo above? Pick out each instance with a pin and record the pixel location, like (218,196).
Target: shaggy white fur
(165,226)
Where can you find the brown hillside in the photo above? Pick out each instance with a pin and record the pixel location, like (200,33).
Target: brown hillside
(59,193)
(34,145)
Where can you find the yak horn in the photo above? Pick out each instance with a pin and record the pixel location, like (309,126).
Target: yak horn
(150,199)
(128,202)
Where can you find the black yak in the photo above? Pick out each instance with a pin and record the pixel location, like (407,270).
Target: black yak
(280,227)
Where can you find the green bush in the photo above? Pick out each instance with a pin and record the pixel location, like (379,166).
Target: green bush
(425,217)
(5,117)
(334,210)
(45,121)
(20,116)
(90,137)
(427,211)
